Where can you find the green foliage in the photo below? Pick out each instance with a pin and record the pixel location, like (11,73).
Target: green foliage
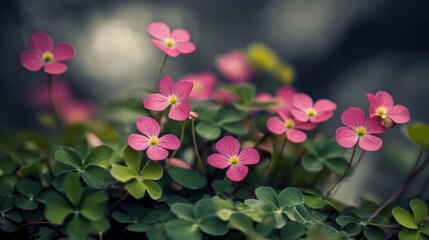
(415,225)
(419,134)
(7,215)
(328,154)
(187,178)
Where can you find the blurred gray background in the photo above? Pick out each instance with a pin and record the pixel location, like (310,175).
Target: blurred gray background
(340,49)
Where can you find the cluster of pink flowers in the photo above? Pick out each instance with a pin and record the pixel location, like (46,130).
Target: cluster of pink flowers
(298,112)
(383,114)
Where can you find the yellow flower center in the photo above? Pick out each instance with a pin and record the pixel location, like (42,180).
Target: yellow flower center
(198,86)
(47,56)
(311,112)
(234,160)
(289,124)
(172,99)
(169,42)
(361,131)
(153,141)
(381,111)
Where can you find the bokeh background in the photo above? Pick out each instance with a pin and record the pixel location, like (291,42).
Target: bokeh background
(340,50)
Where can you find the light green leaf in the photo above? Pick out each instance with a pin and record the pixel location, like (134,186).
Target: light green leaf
(419,133)
(183,211)
(245,92)
(152,171)
(179,229)
(424,228)
(292,230)
(205,114)
(132,159)
(314,202)
(241,223)
(420,210)
(187,178)
(98,155)
(208,130)
(214,226)
(290,197)
(73,189)
(408,234)
(404,218)
(153,189)
(136,189)
(69,157)
(205,208)
(121,173)
(96,177)
(267,195)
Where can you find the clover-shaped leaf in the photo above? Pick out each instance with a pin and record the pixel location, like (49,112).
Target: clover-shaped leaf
(187,178)
(7,177)
(138,218)
(6,205)
(414,224)
(328,154)
(29,190)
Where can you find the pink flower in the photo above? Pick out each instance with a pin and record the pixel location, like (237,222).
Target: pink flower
(282,100)
(290,126)
(359,129)
(234,66)
(381,106)
(77,111)
(43,53)
(171,43)
(171,94)
(155,146)
(305,110)
(230,156)
(203,85)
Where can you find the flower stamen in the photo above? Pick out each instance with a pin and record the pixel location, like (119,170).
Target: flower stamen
(153,141)
(361,131)
(234,160)
(311,112)
(381,111)
(47,56)
(169,42)
(289,124)
(172,99)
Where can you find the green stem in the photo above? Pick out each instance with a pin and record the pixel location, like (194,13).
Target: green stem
(53,103)
(197,153)
(402,190)
(182,134)
(277,163)
(160,116)
(345,173)
(161,66)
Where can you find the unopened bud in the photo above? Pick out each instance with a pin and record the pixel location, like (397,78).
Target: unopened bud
(193,115)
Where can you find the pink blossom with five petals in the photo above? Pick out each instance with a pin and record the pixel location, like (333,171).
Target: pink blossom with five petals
(230,156)
(43,53)
(150,141)
(304,109)
(173,95)
(203,85)
(234,66)
(290,126)
(359,129)
(381,106)
(171,43)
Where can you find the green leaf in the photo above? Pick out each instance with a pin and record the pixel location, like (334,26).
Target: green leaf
(6,203)
(292,230)
(214,226)
(73,189)
(94,205)
(78,227)
(28,187)
(138,227)
(424,228)
(240,222)
(7,226)
(187,178)
(96,177)
(136,189)
(345,219)
(7,165)
(183,211)
(353,228)
(14,216)
(153,189)
(314,202)
(290,197)
(267,195)
(101,225)
(420,210)
(408,234)
(419,133)
(331,149)
(373,233)
(337,164)
(121,173)
(57,209)
(206,115)
(7,185)
(245,92)
(132,159)
(311,163)
(404,218)
(69,157)
(205,208)
(208,130)
(229,115)
(122,217)
(179,229)
(24,202)
(152,171)
(235,128)
(98,155)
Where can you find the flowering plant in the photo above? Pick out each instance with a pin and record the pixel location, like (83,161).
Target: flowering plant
(201,159)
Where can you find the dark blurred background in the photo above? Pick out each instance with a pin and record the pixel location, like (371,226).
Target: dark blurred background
(340,49)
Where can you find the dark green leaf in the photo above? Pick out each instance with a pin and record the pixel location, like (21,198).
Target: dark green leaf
(424,228)
(96,177)
(311,163)
(6,203)
(235,128)
(353,228)
(337,164)
(205,208)
(267,195)
(57,209)
(206,115)
(183,211)
(187,178)
(7,226)
(7,185)
(345,219)
(98,155)
(122,217)
(73,189)
(138,227)
(229,115)
(290,197)
(214,226)
(404,218)
(180,229)
(208,130)
(14,216)
(78,227)
(101,225)
(373,233)
(69,157)
(28,187)
(24,202)
(94,205)
(245,92)
(7,165)
(292,230)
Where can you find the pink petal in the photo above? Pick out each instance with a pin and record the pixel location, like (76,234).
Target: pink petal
(370,143)
(180,111)
(284,115)
(218,161)
(276,125)
(248,156)
(296,136)
(346,137)
(156,153)
(31,60)
(41,42)
(399,114)
(322,116)
(286,92)
(228,146)
(372,125)
(300,115)
(237,172)
(305,125)
(166,86)
(302,101)
(384,99)
(372,110)
(159,30)
(181,35)
(353,117)
(324,105)
(63,51)
(169,141)
(156,102)
(148,126)
(55,68)
(138,142)
(186,47)
(183,89)
(172,52)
